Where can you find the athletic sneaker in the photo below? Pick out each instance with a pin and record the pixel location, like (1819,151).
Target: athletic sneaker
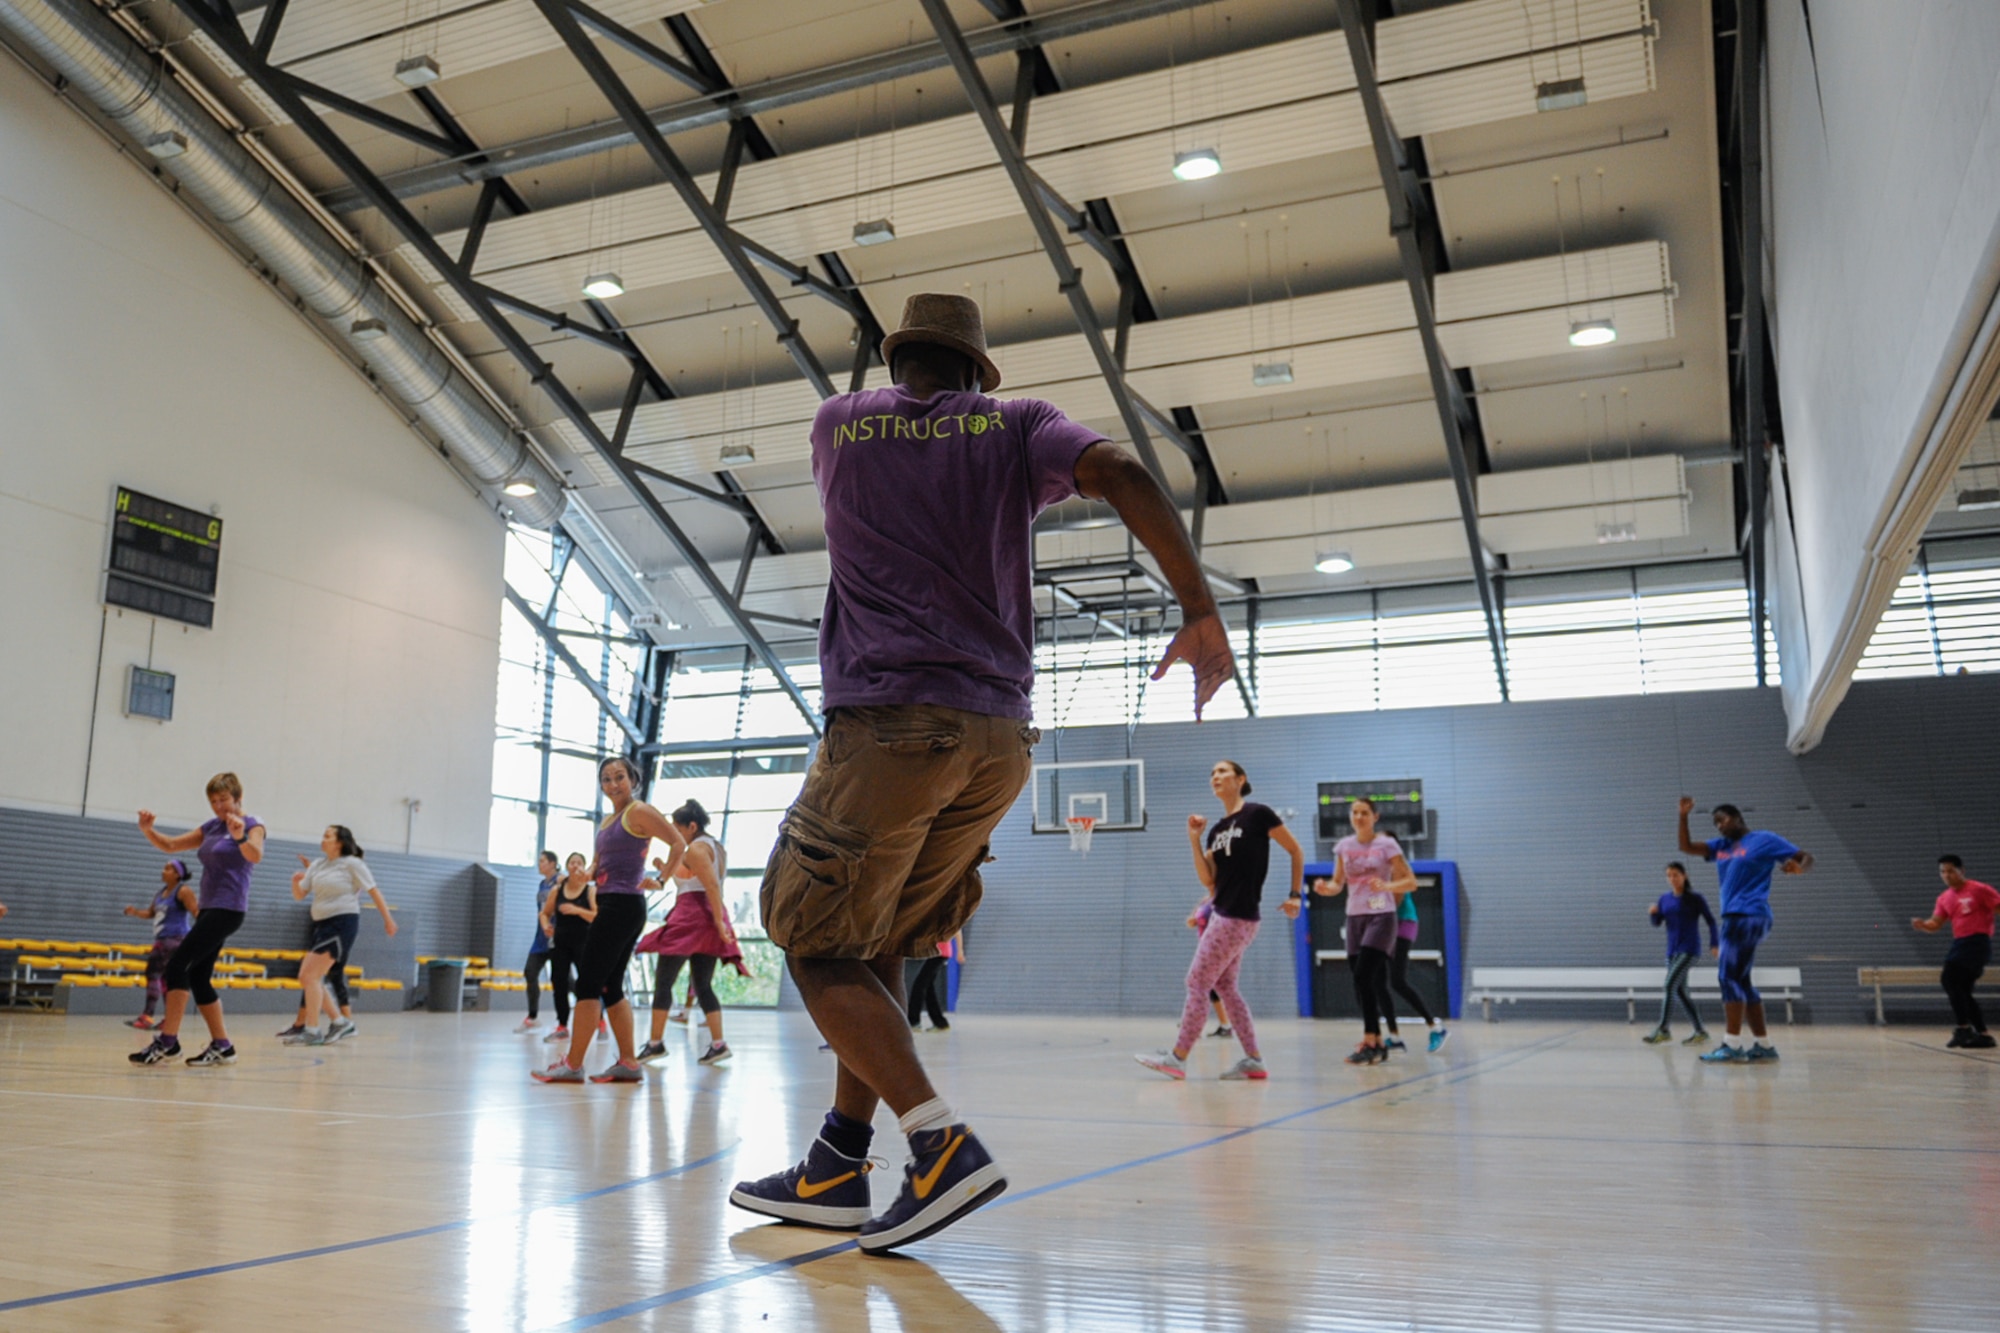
(292,1031)
(340,1029)
(1164,1062)
(717,1052)
(217,1053)
(562,1071)
(1700,1038)
(1224,1031)
(1394,1043)
(1657,1037)
(160,1050)
(144,1022)
(825,1190)
(949,1175)
(1981,1041)
(603,1027)
(1248,1067)
(941,1026)
(1726,1054)
(1762,1054)
(306,1037)
(1365,1054)
(1439,1036)
(620,1072)
(528,1025)
(652,1050)
(679,1015)
(560,1034)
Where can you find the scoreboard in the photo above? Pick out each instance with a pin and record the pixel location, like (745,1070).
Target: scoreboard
(164,558)
(1399,805)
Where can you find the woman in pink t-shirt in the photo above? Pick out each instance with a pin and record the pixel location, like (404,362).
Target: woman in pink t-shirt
(1369,867)
(1968,905)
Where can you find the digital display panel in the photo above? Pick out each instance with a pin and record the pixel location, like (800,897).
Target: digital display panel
(165,543)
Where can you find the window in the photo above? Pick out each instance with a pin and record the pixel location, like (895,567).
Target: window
(1945,616)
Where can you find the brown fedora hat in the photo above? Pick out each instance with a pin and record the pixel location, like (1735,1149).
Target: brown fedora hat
(948,321)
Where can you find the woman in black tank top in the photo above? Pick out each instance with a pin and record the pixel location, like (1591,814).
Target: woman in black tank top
(567,916)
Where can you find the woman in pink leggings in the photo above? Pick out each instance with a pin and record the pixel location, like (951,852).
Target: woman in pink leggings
(1231,862)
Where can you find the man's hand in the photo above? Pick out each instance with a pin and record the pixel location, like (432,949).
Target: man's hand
(1203,644)
(1687,805)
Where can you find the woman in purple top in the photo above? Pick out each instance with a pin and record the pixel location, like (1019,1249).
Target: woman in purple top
(623,842)
(172,911)
(229,846)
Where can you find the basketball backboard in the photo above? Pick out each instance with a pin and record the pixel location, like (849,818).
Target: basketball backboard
(1110,791)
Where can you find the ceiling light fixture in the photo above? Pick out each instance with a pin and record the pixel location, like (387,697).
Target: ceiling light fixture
(366,330)
(876,231)
(1983,497)
(521,486)
(1592,333)
(166,144)
(603,286)
(417,71)
(738,455)
(1560,94)
(1197,164)
(1334,562)
(1270,373)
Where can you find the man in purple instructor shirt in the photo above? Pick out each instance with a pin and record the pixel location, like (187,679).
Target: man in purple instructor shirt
(927,656)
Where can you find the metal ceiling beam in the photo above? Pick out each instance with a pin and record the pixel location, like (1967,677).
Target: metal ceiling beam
(240,51)
(1069,279)
(1420,245)
(612,708)
(562,16)
(1750,329)
(755,99)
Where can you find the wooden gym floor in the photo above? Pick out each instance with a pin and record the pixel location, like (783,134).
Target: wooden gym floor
(1533,1176)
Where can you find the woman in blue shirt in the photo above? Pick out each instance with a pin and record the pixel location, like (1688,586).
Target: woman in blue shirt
(1681,910)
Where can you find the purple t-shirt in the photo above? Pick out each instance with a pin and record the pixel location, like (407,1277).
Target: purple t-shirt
(225,874)
(929,512)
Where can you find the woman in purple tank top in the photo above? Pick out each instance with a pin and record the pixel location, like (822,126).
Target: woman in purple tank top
(230,846)
(624,842)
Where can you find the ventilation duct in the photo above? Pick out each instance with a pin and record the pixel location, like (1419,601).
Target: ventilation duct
(133,88)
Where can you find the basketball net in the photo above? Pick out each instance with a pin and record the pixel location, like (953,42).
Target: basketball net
(1079,833)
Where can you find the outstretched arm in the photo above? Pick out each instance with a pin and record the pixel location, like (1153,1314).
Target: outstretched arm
(180,842)
(1929,923)
(1106,472)
(1689,847)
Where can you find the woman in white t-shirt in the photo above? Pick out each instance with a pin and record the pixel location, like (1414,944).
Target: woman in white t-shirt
(336,881)
(1370,868)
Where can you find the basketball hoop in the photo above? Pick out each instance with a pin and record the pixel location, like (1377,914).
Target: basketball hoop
(1079,833)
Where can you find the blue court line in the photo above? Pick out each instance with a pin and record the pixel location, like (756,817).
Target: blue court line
(679,1294)
(344,1247)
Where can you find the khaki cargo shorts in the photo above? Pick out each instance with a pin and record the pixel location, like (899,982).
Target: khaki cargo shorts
(880,854)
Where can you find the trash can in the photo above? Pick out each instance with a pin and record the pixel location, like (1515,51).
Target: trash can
(444,986)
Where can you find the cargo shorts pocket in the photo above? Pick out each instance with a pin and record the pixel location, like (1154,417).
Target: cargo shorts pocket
(912,730)
(814,902)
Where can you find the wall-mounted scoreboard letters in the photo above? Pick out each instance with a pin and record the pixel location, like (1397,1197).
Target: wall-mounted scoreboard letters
(164,559)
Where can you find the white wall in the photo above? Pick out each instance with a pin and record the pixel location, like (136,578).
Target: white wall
(353,658)
(1884,187)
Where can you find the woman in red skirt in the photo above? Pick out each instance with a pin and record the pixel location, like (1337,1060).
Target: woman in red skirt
(696,932)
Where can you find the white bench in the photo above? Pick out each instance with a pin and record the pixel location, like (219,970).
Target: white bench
(1508,985)
(1895,978)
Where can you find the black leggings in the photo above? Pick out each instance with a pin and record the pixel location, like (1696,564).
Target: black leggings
(1399,980)
(1678,968)
(926,993)
(564,955)
(1371,986)
(192,968)
(532,971)
(701,972)
(1962,968)
(607,950)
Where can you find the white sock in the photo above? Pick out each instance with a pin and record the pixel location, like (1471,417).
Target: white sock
(933,1114)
